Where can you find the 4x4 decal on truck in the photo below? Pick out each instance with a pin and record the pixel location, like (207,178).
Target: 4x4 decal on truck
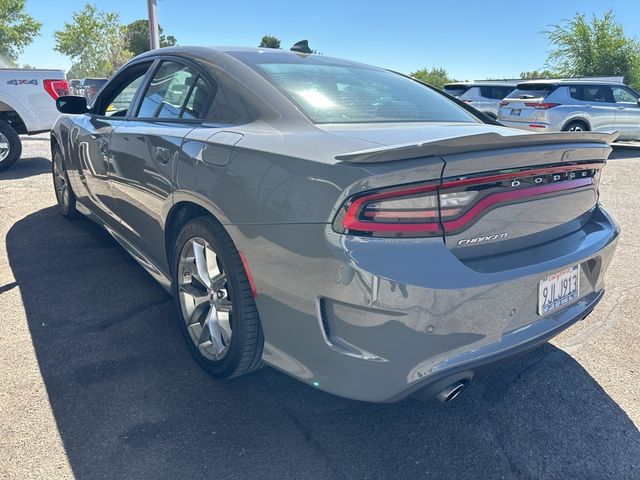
(22,82)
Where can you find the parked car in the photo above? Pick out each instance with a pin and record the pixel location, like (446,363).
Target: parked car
(75,86)
(27,107)
(573,106)
(90,86)
(484,96)
(345,224)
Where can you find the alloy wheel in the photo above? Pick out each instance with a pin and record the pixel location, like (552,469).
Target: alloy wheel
(576,128)
(60,181)
(204,299)
(5,147)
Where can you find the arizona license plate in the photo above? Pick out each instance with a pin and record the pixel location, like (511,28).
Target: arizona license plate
(515,111)
(558,289)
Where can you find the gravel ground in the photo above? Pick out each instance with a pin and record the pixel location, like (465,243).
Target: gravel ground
(95,381)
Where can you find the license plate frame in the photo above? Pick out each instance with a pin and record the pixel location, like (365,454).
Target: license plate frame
(562,288)
(515,112)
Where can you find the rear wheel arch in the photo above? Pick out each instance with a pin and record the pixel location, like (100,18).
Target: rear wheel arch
(13,118)
(577,121)
(179,215)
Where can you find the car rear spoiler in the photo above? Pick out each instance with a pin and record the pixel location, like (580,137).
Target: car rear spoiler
(472,143)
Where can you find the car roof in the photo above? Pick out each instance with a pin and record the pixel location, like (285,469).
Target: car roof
(568,81)
(481,84)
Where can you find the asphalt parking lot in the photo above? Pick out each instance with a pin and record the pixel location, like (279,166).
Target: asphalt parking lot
(96,382)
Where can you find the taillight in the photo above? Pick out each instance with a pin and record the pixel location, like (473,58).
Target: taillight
(504,103)
(56,88)
(404,210)
(430,209)
(541,105)
(467,101)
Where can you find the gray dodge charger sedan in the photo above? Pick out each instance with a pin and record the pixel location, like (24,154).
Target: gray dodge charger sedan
(347,225)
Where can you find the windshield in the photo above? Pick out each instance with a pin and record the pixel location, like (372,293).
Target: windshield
(329,91)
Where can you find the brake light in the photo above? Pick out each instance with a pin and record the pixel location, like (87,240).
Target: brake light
(56,88)
(467,101)
(541,105)
(504,103)
(431,209)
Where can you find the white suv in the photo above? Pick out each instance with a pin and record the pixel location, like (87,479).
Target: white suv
(483,96)
(573,105)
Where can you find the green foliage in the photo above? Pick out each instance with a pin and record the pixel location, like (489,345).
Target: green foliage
(538,74)
(137,37)
(17,29)
(269,41)
(95,41)
(594,48)
(436,77)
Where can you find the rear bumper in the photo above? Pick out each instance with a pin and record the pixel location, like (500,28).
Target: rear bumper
(377,319)
(539,127)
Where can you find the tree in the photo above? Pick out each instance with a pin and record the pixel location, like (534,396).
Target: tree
(17,29)
(435,77)
(137,35)
(269,41)
(537,74)
(95,41)
(597,48)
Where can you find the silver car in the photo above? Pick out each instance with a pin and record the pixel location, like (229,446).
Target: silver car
(347,225)
(573,106)
(483,96)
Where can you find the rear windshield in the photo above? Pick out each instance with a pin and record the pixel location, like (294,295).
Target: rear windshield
(456,90)
(333,91)
(532,90)
(496,93)
(94,82)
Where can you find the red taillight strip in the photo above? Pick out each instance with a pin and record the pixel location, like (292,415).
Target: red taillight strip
(519,174)
(510,195)
(351,222)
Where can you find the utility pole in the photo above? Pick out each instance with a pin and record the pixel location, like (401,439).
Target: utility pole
(154,32)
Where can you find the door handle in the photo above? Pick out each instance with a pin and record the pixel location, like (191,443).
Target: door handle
(163,154)
(621,108)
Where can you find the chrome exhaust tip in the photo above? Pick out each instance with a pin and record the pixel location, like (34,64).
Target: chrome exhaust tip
(451,392)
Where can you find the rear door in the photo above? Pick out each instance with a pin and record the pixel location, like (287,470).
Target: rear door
(145,148)
(599,106)
(627,120)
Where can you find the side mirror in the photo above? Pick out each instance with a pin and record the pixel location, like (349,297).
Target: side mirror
(71,104)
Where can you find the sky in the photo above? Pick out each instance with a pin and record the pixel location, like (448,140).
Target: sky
(470,39)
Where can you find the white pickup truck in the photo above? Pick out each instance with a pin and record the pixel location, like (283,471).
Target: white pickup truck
(27,106)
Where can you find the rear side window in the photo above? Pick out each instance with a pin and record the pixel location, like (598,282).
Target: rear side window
(496,93)
(532,90)
(175,92)
(592,93)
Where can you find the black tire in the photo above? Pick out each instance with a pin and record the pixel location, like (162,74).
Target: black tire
(66,207)
(245,349)
(15,145)
(576,126)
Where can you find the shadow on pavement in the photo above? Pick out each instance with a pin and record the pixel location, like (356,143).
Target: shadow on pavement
(131,403)
(27,167)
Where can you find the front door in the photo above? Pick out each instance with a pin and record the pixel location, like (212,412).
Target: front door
(628,113)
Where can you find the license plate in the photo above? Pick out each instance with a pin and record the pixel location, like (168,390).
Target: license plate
(516,111)
(558,289)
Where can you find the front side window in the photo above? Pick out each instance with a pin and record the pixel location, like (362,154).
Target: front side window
(175,91)
(117,97)
(624,95)
(331,91)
